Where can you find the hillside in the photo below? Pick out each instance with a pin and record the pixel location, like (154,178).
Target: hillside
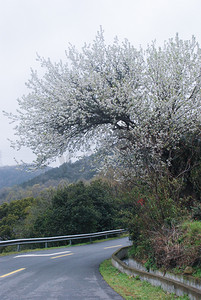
(18,184)
(83,169)
(15,175)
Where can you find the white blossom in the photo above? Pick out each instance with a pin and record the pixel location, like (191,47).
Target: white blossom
(131,101)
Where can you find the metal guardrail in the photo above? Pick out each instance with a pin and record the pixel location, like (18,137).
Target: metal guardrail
(69,238)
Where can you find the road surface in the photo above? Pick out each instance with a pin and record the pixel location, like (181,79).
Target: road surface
(63,273)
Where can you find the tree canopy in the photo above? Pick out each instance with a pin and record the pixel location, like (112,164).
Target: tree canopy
(73,209)
(115,96)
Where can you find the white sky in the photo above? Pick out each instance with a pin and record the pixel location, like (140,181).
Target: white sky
(47,26)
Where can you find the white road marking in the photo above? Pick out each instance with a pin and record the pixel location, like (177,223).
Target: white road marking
(41,255)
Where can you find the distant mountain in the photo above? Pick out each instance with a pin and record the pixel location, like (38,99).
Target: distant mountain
(83,169)
(18,184)
(15,175)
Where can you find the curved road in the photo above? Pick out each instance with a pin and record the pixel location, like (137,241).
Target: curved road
(64,273)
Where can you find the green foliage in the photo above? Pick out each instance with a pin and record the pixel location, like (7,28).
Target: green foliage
(83,169)
(105,204)
(81,208)
(150,264)
(72,209)
(196,212)
(186,163)
(149,205)
(12,215)
(156,207)
(172,247)
(197,272)
(192,233)
(193,227)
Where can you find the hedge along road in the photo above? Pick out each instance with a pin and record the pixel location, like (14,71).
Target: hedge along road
(64,273)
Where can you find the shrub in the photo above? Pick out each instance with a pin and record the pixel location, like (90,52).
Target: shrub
(178,246)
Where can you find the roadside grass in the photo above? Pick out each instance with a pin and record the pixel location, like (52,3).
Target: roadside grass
(180,271)
(11,252)
(130,287)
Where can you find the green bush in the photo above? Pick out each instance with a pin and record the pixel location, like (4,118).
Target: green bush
(12,216)
(73,209)
(191,233)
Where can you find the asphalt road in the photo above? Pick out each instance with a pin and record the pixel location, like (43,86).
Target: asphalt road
(64,273)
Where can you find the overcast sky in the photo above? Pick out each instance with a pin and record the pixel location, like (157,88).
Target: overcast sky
(46,27)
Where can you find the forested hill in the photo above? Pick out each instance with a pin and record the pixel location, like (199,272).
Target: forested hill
(84,168)
(21,187)
(14,175)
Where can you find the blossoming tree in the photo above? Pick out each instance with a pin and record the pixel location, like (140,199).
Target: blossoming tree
(133,101)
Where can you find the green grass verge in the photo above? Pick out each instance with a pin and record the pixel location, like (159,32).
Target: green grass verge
(131,287)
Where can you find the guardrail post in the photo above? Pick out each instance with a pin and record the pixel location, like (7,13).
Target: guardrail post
(69,238)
